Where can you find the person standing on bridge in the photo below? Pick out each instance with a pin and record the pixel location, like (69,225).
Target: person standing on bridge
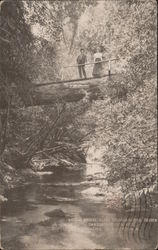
(81,60)
(98,66)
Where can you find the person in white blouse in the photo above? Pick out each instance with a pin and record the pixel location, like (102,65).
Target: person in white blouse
(98,67)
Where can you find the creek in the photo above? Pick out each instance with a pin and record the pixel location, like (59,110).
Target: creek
(57,212)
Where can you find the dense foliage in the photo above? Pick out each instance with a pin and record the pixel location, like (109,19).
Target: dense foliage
(126,118)
(37,39)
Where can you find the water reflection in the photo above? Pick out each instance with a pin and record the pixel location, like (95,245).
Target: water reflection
(53,213)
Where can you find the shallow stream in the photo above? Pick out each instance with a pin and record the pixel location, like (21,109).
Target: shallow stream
(54,213)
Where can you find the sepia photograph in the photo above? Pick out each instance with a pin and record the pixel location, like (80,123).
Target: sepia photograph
(78,125)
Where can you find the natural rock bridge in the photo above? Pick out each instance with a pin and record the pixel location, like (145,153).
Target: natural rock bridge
(70,90)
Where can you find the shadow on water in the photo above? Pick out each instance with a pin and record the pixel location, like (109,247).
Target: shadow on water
(52,213)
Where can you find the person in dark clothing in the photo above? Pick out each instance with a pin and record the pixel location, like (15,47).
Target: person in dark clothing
(82,59)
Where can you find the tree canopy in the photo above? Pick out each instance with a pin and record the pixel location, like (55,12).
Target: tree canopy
(38,38)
